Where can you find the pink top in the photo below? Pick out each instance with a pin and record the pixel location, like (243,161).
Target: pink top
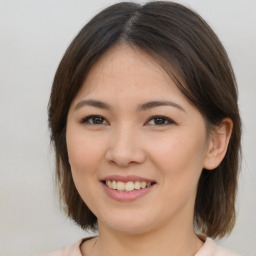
(210,248)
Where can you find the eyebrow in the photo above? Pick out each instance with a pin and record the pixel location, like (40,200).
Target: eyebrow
(153,104)
(142,107)
(94,103)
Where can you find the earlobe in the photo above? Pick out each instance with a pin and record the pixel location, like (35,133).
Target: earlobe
(218,144)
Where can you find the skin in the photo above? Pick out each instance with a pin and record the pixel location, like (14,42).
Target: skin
(172,151)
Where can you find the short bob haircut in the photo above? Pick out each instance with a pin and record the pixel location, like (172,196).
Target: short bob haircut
(190,52)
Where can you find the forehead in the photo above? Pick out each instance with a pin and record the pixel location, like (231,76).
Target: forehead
(124,68)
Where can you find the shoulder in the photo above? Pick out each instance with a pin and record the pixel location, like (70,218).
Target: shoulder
(210,248)
(73,250)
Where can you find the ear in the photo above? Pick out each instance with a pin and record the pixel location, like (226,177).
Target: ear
(218,144)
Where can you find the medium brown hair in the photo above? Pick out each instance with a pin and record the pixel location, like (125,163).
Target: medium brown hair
(191,53)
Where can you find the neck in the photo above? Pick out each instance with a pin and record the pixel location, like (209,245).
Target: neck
(176,240)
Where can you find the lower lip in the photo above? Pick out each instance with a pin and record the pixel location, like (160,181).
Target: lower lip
(124,196)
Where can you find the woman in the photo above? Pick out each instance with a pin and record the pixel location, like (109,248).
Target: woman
(145,123)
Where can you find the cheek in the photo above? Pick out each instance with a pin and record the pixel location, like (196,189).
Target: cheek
(84,152)
(180,157)
(179,162)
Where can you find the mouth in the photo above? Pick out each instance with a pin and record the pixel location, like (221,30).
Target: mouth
(128,186)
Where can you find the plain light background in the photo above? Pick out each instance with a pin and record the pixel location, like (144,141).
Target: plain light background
(33,38)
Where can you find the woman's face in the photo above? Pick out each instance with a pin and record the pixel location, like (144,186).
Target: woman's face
(130,127)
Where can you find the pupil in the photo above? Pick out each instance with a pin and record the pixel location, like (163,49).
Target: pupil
(160,120)
(97,120)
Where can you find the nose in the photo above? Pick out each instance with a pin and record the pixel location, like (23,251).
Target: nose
(125,148)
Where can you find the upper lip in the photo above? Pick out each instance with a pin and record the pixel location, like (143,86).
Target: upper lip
(126,178)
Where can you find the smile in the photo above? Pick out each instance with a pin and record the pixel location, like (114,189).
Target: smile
(127,186)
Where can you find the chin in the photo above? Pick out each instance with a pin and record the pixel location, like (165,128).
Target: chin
(130,225)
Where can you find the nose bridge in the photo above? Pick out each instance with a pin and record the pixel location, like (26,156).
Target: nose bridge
(125,147)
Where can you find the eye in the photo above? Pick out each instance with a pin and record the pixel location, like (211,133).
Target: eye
(94,120)
(159,121)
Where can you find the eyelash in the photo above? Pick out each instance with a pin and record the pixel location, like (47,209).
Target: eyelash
(89,120)
(163,118)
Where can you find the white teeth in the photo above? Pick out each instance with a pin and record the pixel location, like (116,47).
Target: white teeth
(127,186)
(143,184)
(137,185)
(114,184)
(120,185)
